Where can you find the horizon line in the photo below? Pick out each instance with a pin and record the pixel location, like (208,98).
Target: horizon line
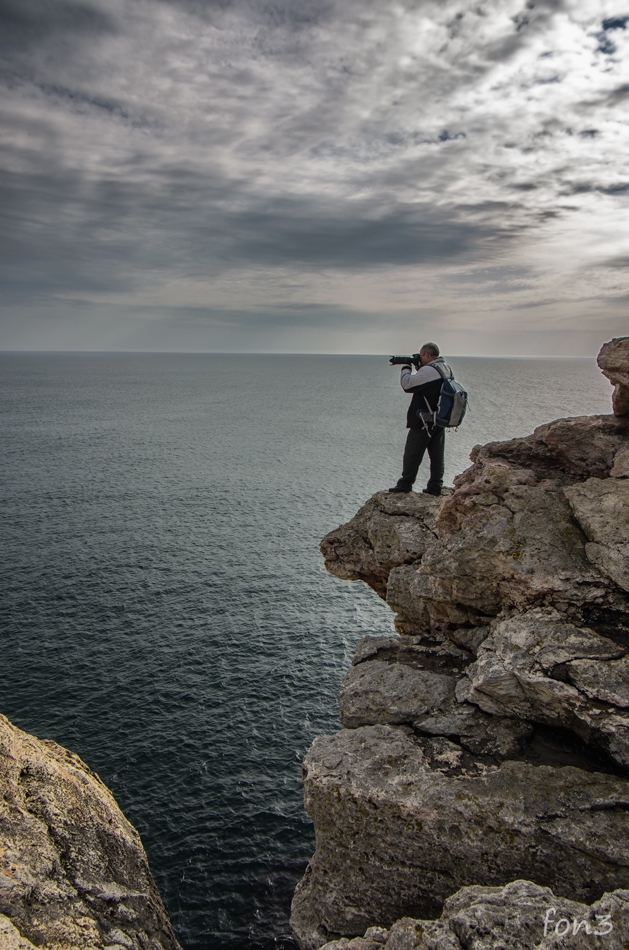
(487,356)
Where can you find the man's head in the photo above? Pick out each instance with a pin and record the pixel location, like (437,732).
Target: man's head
(428,353)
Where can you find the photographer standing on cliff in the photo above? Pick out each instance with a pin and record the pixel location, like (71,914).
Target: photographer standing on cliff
(425,385)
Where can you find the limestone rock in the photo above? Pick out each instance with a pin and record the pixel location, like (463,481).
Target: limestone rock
(10,937)
(479,733)
(602,510)
(506,538)
(566,450)
(538,668)
(620,468)
(490,741)
(440,652)
(521,549)
(608,682)
(73,872)
(406,680)
(391,692)
(389,530)
(613,360)
(396,837)
(519,916)
(470,637)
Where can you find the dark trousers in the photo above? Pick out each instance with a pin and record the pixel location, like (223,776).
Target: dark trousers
(417,441)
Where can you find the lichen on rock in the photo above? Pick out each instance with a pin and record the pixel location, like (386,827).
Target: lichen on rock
(520,916)
(401,825)
(73,872)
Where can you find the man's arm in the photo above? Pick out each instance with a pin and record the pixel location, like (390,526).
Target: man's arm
(410,381)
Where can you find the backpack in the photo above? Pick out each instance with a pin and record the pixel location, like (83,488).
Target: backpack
(452,403)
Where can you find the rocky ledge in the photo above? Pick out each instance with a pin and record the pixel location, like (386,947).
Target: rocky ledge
(520,916)
(73,872)
(489,743)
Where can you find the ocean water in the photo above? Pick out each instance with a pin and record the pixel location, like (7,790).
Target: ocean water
(164,608)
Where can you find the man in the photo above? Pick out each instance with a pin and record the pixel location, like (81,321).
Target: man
(425,385)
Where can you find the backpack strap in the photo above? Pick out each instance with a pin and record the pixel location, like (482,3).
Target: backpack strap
(442,371)
(428,418)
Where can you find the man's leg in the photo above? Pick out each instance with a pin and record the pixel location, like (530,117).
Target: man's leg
(416,443)
(436,454)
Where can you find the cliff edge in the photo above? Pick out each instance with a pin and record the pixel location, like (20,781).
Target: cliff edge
(489,743)
(73,872)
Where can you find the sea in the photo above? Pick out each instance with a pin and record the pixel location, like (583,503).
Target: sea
(164,608)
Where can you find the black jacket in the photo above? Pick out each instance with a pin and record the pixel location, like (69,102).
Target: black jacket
(424,384)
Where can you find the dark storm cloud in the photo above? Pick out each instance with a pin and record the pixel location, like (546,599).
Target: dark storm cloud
(605,42)
(122,231)
(27,22)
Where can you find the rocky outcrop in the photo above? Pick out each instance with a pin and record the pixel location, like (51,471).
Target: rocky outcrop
(613,360)
(73,872)
(403,822)
(388,531)
(520,916)
(538,668)
(515,533)
(602,510)
(490,742)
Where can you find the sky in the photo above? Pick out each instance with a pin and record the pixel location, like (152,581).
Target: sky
(326,176)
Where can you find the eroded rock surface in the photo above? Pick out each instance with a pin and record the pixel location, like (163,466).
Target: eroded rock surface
(391,692)
(538,668)
(388,531)
(613,359)
(515,546)
(525,527)
(491,740)
(602,510)
(73,872)
(520,916)
(402,824)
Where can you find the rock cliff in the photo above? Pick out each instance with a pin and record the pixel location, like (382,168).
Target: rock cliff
(73,872)
(489,743)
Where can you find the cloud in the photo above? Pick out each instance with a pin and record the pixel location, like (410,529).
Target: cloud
(267,146)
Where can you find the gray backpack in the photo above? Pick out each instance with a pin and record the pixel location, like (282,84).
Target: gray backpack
(452,403)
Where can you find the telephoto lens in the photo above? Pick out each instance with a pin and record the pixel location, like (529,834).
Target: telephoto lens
(401,360)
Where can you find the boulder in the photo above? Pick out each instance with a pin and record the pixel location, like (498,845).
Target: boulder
(391,692)
(613,360)
(602,511)
(520,916)
(73,872)
(406,680)
(389,530)
(536,667)
(401,825)
(515,545)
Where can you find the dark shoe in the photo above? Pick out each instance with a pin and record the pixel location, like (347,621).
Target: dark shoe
(401,491)
(427,491)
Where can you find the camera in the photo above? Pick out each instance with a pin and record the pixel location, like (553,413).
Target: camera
(401,360)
